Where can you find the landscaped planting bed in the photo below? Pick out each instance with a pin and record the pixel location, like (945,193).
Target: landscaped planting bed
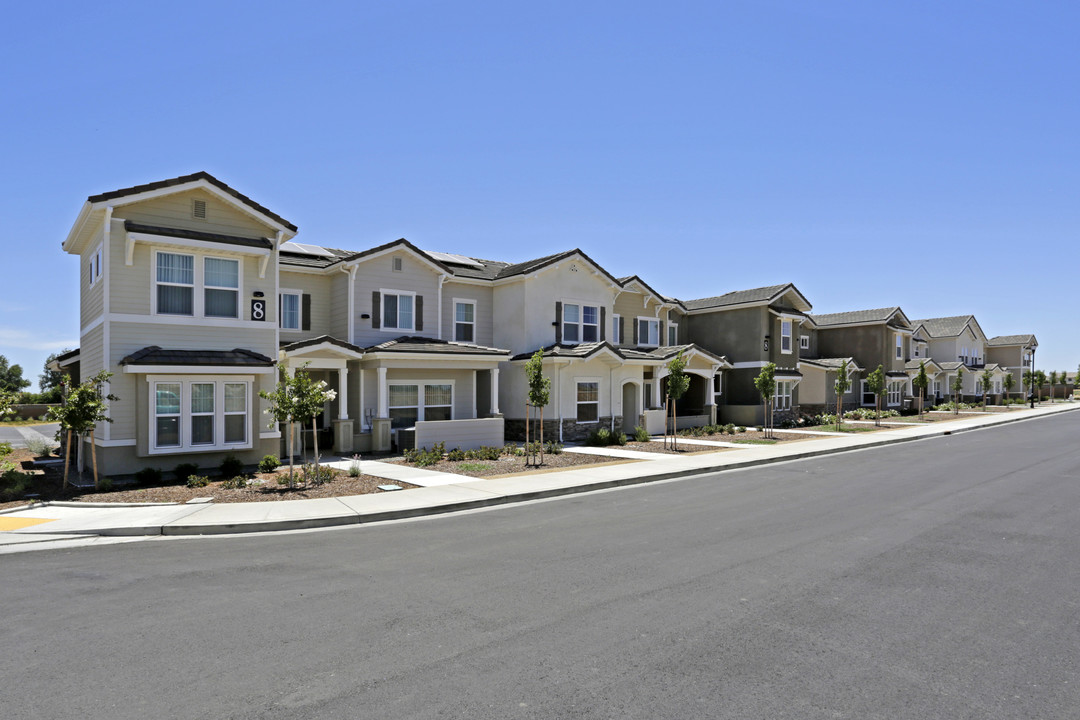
(514,464)
(683,448)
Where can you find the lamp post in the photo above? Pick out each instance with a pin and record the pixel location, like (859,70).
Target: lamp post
(1031,395)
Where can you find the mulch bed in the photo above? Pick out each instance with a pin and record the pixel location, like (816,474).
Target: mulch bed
(514,464)
(751,434)
(684,448)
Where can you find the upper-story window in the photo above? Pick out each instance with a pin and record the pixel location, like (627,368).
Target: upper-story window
(804,342)
(221,287)
(785,336)
(616,329)
(648,332)
(289,315)
(465,320)
(899,346)
(581,323)
(673,334)
(175,284)
(95,266)
(397,310)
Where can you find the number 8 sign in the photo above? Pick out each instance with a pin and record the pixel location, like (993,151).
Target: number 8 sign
(258,309)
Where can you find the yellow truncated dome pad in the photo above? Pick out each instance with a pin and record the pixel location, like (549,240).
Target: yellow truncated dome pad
(18,523)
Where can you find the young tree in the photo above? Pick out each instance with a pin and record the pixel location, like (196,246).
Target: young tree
(1053,382)
(311,397)
(843,382)
(677,384)
(539,396)
(1008,381)
(875,382)
(283,409)
(957,389)
(83,409)
(765,383)
(1040,380)
(1029,381)
(921,382)
(297,397)
(11,378)
(987,379)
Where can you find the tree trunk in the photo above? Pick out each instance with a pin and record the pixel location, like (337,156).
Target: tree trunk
(839,410)
(315,439)
(528,422)
(877,410)
(67,458)
(93,457)
(542,434)
(674,426)
(292,453)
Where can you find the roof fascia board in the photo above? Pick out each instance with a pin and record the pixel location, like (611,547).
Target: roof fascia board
(151,239)
(85,212)
(397,246)
(199,369)
(724,308)
(324,347)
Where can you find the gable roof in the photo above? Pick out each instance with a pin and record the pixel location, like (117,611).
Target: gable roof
(524,268)
(187,179)
(414,344)
(765,294)
(1002,340)
(859,317)
(832,363)
(946,326)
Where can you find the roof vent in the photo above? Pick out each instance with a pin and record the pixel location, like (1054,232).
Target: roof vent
(397,264)
(198,209)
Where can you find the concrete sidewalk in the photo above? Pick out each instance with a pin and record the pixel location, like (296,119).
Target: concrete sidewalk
(439,492)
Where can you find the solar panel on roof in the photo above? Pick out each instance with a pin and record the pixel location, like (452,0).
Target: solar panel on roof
(453,259)
(304,249)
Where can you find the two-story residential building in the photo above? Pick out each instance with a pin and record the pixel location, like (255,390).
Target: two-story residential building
(958,342)
(751,328)
(881,336)
(1013,353)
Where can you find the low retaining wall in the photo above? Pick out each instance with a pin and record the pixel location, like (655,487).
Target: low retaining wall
(32,412)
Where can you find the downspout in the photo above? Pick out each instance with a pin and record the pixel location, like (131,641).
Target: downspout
(438,336)
(558,393)
(611,396)
(350,328)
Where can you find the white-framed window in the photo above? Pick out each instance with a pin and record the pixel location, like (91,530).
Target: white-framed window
(588,400)
(200,413)
(221,287)
(804,342)
(937,387)
(616,326)
(175,283)
(717,387)
(581,323)
(867,396)
(398,310)
(413,400)
(899,346)
(289,309)
(673,334)
(95,265)
(785,336)
(465,320)
(896,391)
(648,332)
(782,398)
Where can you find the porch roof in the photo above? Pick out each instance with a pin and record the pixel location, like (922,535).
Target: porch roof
(259,242)
(831,363)
(237,357)
(411,344)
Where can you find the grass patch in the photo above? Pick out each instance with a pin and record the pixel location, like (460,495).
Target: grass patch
(754,441)
(474,466)
(22,423)
(844,428)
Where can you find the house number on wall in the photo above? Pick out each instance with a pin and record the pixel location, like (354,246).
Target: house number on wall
(766,344)
(258,309)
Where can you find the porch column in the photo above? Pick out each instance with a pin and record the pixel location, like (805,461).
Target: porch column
(494,391)
(384,399)
(380,425)
(343,394)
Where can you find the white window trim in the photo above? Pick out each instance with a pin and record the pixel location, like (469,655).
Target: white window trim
(641,341)
(899,346)
(864,390)
(786,324)
(239,289)
(717,387)
(581,324)
(420,395)
(198,288)
(96,270)
(804,342)
(616,336)
(300,310)
(185,382)
(456,322)
(383,292)
(894,388)
(782,401)
(578,381)
(672,327)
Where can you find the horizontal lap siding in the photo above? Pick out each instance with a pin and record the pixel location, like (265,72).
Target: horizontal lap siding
(339,306)
(377,274)
(464,434)
(318,287)
(93,298)
(483,317)
(175,211)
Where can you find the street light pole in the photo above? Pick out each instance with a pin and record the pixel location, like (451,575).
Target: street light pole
(1031,395)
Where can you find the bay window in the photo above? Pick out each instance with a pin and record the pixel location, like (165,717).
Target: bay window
(200,413)
(896,390)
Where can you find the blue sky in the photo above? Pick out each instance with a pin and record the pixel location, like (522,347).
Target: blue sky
(875,154)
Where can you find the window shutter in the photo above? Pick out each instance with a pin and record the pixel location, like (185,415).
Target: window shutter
(637,324)
(305,323)
(663,333)
(603,323)
(376,309)
(622,330)
(419,323)
(558,322)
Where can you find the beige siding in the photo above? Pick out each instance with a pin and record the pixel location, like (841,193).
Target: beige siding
(128,337)
(91,354)
(339,306)
(92,299)
(632,305)
(461,434)
(318,287)
(484,317)
(175,211)
(415,276)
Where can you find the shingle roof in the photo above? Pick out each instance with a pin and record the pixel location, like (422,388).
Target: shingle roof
(329,339)
(411,344)
(831,363)
(580,350)
(154,355)
(65,356)
(288,258)
(259,242)
(944,326)
(184,179)
(737,297)
(914,364)
(855,316)
(1011,340)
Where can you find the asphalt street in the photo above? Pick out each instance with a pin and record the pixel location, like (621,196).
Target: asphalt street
(933,579)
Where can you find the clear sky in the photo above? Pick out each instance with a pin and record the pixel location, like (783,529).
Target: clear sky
(920,154)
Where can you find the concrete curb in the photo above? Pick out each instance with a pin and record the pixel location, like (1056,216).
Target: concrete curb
(188,525)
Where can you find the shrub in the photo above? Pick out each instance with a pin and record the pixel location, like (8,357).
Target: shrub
(488,452)
(321,474)
(599,438)
(185,470)
(620,439)
(14,484)
(148,476)
(740,429)
(40,446)
(5,449)
(237,483)
(104,484)
(455,455)
(553,448)
(269,463)
(231,466)
(641,434)
(423,457)
(354,467)
(511,449)
(197,481)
